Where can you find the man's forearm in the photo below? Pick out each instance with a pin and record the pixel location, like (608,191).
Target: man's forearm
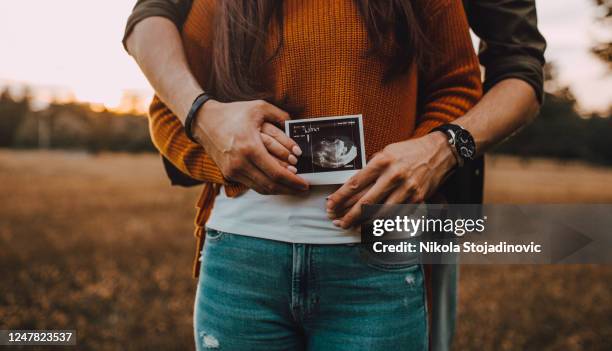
(508,106)
(156,45)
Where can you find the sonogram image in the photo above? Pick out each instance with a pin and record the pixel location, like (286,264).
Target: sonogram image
(328,144)
(334,153)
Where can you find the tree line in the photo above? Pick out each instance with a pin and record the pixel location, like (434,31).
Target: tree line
(75,126)
(559,131)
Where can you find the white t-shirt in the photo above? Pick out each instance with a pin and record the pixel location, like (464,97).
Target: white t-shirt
(293,219)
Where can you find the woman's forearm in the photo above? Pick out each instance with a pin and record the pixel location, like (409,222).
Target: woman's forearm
(156,45)
(508,106)
(232,140)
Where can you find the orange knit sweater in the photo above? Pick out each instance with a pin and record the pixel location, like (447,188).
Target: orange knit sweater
(322,68)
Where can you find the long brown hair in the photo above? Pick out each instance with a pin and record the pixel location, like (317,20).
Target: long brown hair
(242,26)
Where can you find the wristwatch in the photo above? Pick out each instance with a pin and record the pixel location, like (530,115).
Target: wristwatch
(461,142)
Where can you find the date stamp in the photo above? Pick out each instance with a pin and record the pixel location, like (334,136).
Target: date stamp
(37,337)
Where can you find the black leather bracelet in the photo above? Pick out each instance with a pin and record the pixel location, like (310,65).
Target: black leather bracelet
(199,101)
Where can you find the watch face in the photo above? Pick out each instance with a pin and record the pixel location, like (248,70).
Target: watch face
(465,144)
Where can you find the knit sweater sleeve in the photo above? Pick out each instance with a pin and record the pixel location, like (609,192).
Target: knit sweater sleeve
(450,84)
(169,138)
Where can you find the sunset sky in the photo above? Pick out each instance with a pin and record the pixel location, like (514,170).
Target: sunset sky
(72,49)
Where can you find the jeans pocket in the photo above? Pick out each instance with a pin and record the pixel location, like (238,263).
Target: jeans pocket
(372,261)
(214,235)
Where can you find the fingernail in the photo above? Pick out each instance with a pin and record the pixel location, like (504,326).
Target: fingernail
(293,160)
(297,151)
(330,215)
(292,169)
(337,223)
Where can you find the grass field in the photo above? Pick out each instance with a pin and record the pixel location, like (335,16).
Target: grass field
(103,244)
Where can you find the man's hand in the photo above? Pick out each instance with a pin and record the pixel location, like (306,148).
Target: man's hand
(408,171)
(248,148)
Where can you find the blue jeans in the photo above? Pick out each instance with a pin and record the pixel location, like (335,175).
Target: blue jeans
(259,294)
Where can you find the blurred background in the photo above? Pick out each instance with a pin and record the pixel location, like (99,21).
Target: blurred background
(93,238)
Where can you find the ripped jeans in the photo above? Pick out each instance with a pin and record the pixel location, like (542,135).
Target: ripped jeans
(259,294)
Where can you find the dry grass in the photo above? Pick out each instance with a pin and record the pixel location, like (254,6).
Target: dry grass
(513,180)
(103,245)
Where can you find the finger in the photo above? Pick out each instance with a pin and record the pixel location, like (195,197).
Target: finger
(285,164)
(290,167)
(265,162)
(354,185)
(341,210)
(375,195)
(273,114)
(258,181)
(281,137)
(277,150)
(416,197)
(397,196)
(246,180)
(251,177)
(400,195)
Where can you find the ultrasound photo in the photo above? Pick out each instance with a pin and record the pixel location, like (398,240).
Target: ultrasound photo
(332,147)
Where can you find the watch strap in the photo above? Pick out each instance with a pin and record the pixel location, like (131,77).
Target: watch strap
(451,131)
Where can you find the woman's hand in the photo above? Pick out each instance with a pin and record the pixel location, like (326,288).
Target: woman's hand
(243,141)
(408,171)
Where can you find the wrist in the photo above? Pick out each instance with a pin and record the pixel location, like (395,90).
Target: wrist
(202,119)
(192,115)
(207,108)
(443,154)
